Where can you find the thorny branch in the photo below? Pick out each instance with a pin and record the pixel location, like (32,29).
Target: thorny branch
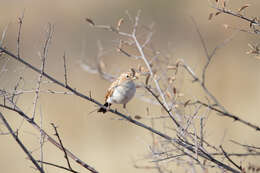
(188,146)
(61,144)
(229,159)
(15,136)
(141,52)
(57,166)
(222,112)
(191,149)
(43,57)
(16,109)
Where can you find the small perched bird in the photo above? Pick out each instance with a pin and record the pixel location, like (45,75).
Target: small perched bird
(121,91)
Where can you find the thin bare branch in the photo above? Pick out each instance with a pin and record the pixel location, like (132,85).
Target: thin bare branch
(234,117)
(26,151)
(48,137)
(43,57)
(189,147)
(157,98)
(3,36)
(229,159)
(64,150)
(41,139)
(65,69)
(227,11)
(57,166)
(20,22)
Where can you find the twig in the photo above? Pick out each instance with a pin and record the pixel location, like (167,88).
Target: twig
(64,150)
(41,139)
(49,138)
(201,131)
(21,144)
(43,57)
(249,147)
(140,50)
(139,47)
(223,10)
(20,21)
(3,36)
(160,102)
(229,159)
(57,166)
(179,142)
(201,152)
(209,57)
(226,114)
(65,69)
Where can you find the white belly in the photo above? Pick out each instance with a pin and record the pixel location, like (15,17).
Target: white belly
(123,93)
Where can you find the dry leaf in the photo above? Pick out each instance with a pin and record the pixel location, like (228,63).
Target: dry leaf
(210,16)
(186,103)
(243,7)
(147,79)
(120,21)
(174,90)
(217,13)
(138,117)
(90,21)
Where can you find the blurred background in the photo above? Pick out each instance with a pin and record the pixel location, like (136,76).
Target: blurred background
(104,141)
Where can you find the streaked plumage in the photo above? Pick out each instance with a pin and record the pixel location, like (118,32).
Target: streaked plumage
(121,91)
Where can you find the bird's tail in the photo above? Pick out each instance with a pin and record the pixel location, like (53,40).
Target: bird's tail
(102,109)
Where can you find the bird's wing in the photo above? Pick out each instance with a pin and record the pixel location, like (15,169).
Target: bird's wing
(111,89)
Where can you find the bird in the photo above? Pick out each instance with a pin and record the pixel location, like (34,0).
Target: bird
(121,91)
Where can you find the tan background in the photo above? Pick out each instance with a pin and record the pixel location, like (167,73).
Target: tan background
(105,143)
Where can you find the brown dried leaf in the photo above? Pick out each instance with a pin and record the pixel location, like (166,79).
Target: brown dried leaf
(90,21)
(186,103)
(174,90)
(210,16)
(119,23)
(147,79)
(243,7)
(217,13)
(124,52)
(138,117)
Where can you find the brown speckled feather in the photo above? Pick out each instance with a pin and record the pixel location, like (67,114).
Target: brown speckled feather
(120,80)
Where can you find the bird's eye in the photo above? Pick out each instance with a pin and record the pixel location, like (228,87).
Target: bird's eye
(127,76)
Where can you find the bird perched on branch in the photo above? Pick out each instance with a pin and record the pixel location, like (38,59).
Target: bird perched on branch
(121,91)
